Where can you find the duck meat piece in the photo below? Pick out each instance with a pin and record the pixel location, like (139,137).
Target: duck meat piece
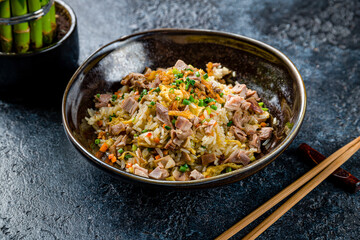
(180,65)
(112,149)
(240,89)
(240,118)
(233,102)
(130,105)
(250,129)
(170,145)
(208,158)
(132,78)
(255,142)
(140,171)
(117,129)
(238,157)
(185,157)
(252,93)
(166,162)
(245,105)
(162,113)
(183,135)
(195,175)
(183,124)
(239,134)
(159,173)
(180,176)
(103,100)
(265,133)
(209,126)
(254,105)
(196,120)
(121,141)
(155,83)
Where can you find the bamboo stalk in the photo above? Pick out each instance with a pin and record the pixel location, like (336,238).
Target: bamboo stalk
(302,193)
(285,192)
(21,30)
(36,37)
(6,38)
(46,24)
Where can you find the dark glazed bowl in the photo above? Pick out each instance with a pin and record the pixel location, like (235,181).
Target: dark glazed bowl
(258,65)
(49,66)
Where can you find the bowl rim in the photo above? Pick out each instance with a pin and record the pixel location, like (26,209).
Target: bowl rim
(54,45)
(265,160)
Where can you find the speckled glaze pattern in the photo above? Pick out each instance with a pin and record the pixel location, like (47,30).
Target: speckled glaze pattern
(47,192)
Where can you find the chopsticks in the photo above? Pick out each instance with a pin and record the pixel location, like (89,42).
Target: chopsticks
(313,178)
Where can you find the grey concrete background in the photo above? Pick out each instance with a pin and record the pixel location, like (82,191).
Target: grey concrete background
(47,191)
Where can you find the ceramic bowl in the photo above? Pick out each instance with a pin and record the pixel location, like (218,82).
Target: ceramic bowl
(258,65)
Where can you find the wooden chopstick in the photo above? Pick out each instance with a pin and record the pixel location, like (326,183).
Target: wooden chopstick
(352,147)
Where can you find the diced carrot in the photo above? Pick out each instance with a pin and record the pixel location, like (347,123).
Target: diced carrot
(215,124)
(263,124)
(113,159)
(129,165)
(202,117)
(149,134)
(157,140)
(99,123)
(207,176)
(157,157)
(103,147)
(111,156)
(136,93)
(163,126)
(166,152)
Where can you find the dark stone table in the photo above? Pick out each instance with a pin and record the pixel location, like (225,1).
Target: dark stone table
(49,192)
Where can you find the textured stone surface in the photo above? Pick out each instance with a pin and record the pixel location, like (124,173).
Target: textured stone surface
(47,191)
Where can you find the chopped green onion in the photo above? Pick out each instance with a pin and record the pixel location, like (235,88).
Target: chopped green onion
(135,135)
(179,75)
(177,98)
(157,89)
(229,123)
(98,95)
(191,99)
(192,82)
(167,127)
(152,103)
(188,69)
(127,156)
(187,86)
(171,90)
(134,147)
(97,141)
(289,125)
(186,102)
(173,121)
(113,98)
(178,82)
(120,150)
(208,110)
(187,79)
(184,168)
(197,74)
(203,121)
(144,131)
(265,109)
(213,107)
(261,104)
(123,96)
(144,92)
(201,103)
(175,71)
(221,94)
(192,91)
(111,117)
(203,146)
(228,169)
(133,119)
(205,76)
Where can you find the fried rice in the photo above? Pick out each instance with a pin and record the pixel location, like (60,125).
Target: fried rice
(180,123)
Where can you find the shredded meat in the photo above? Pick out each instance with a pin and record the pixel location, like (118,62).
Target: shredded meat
(239,134)
(238,157)
(240,118)
(252,93)
(162,113)
(121,141)
(183,124)
(250,129)
(180,65)
(255,142)
(208,158)
(195,174)
(103,100)
(159,173)
(166,162)
(254,105)
(130,105)
(185,157)
(265,133)
(240,89)
(140,171)
(233,102)
(135,80)
(117,129)
(180,176)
